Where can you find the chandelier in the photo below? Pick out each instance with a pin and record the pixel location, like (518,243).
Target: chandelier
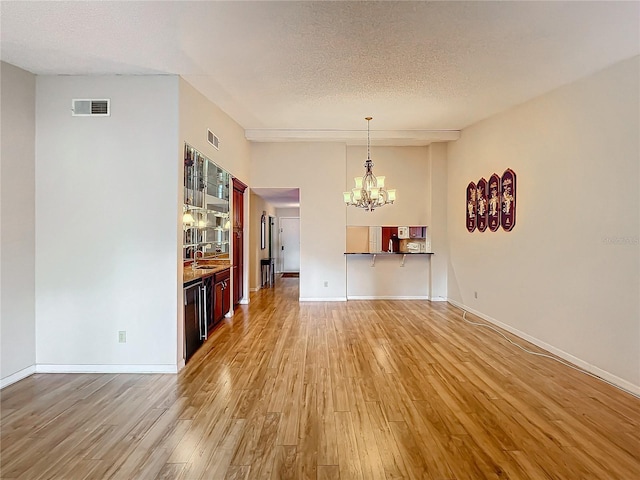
(369,192)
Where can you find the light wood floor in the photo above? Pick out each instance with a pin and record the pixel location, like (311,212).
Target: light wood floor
(356,390)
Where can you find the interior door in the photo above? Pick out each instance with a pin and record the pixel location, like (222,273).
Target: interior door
(290,244)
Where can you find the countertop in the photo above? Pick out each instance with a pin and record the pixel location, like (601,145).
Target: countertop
(388,253)
(190,275)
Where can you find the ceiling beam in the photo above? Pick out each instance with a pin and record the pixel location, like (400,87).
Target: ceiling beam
(354,137)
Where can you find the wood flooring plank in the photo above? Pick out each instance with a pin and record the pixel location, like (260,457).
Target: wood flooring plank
(238,472)
(348,458)
(263,460)
(377,389)
(170,471)
(328,472)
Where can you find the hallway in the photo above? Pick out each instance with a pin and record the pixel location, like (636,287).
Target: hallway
(344,390)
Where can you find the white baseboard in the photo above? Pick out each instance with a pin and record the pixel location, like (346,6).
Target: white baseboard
(619,382)
(439,299)
(254,290)
(322,299)
(387,297)
(244,301)
(16,377)
(52,368)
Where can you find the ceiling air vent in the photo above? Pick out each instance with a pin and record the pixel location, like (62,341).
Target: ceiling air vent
(90,107)
(213,140)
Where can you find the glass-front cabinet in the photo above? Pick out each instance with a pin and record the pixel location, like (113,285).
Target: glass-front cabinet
(205,219)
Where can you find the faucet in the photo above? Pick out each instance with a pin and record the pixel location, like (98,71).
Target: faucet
(194,264)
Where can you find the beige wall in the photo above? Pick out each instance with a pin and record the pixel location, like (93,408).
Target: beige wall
(318,170)
(406,170)
(17,224)
(196,115)
(257,205)
(567,276)
(419,174)
(288,212)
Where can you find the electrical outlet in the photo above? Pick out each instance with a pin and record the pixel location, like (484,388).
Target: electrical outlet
(326,284)
(475,294)
(122,336)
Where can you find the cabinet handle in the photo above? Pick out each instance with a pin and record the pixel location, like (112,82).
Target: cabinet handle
(204,319)
(200,312)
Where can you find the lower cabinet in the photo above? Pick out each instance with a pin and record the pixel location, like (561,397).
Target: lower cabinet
(221,295)
(193,313)
(205,304)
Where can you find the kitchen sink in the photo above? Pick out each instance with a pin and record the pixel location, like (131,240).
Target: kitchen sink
(207,267)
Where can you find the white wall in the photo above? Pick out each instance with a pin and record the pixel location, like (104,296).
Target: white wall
(437,220)
(568,274)
(17,224)
(107,230)
(318,170)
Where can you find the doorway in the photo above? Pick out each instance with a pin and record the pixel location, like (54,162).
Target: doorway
(290,244)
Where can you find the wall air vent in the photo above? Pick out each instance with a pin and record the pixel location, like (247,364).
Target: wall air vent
(83,107)
(213,140)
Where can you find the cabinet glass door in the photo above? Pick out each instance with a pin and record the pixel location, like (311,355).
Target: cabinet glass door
(206,207)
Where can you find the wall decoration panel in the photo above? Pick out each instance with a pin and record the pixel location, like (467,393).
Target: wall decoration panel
(494,202)
(471,207)
(482,212)
(508,188)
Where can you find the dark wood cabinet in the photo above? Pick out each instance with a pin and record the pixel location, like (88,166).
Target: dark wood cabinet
(221,295)
(192,319)
(238,240)
(206,302)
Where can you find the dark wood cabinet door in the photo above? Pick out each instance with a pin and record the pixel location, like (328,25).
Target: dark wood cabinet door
(218,304)
(238,267)
(238,240)
(226,297)
(192,334)
(238,210)
(221,291)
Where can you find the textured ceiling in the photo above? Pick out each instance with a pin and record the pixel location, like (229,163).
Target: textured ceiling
(327,65)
